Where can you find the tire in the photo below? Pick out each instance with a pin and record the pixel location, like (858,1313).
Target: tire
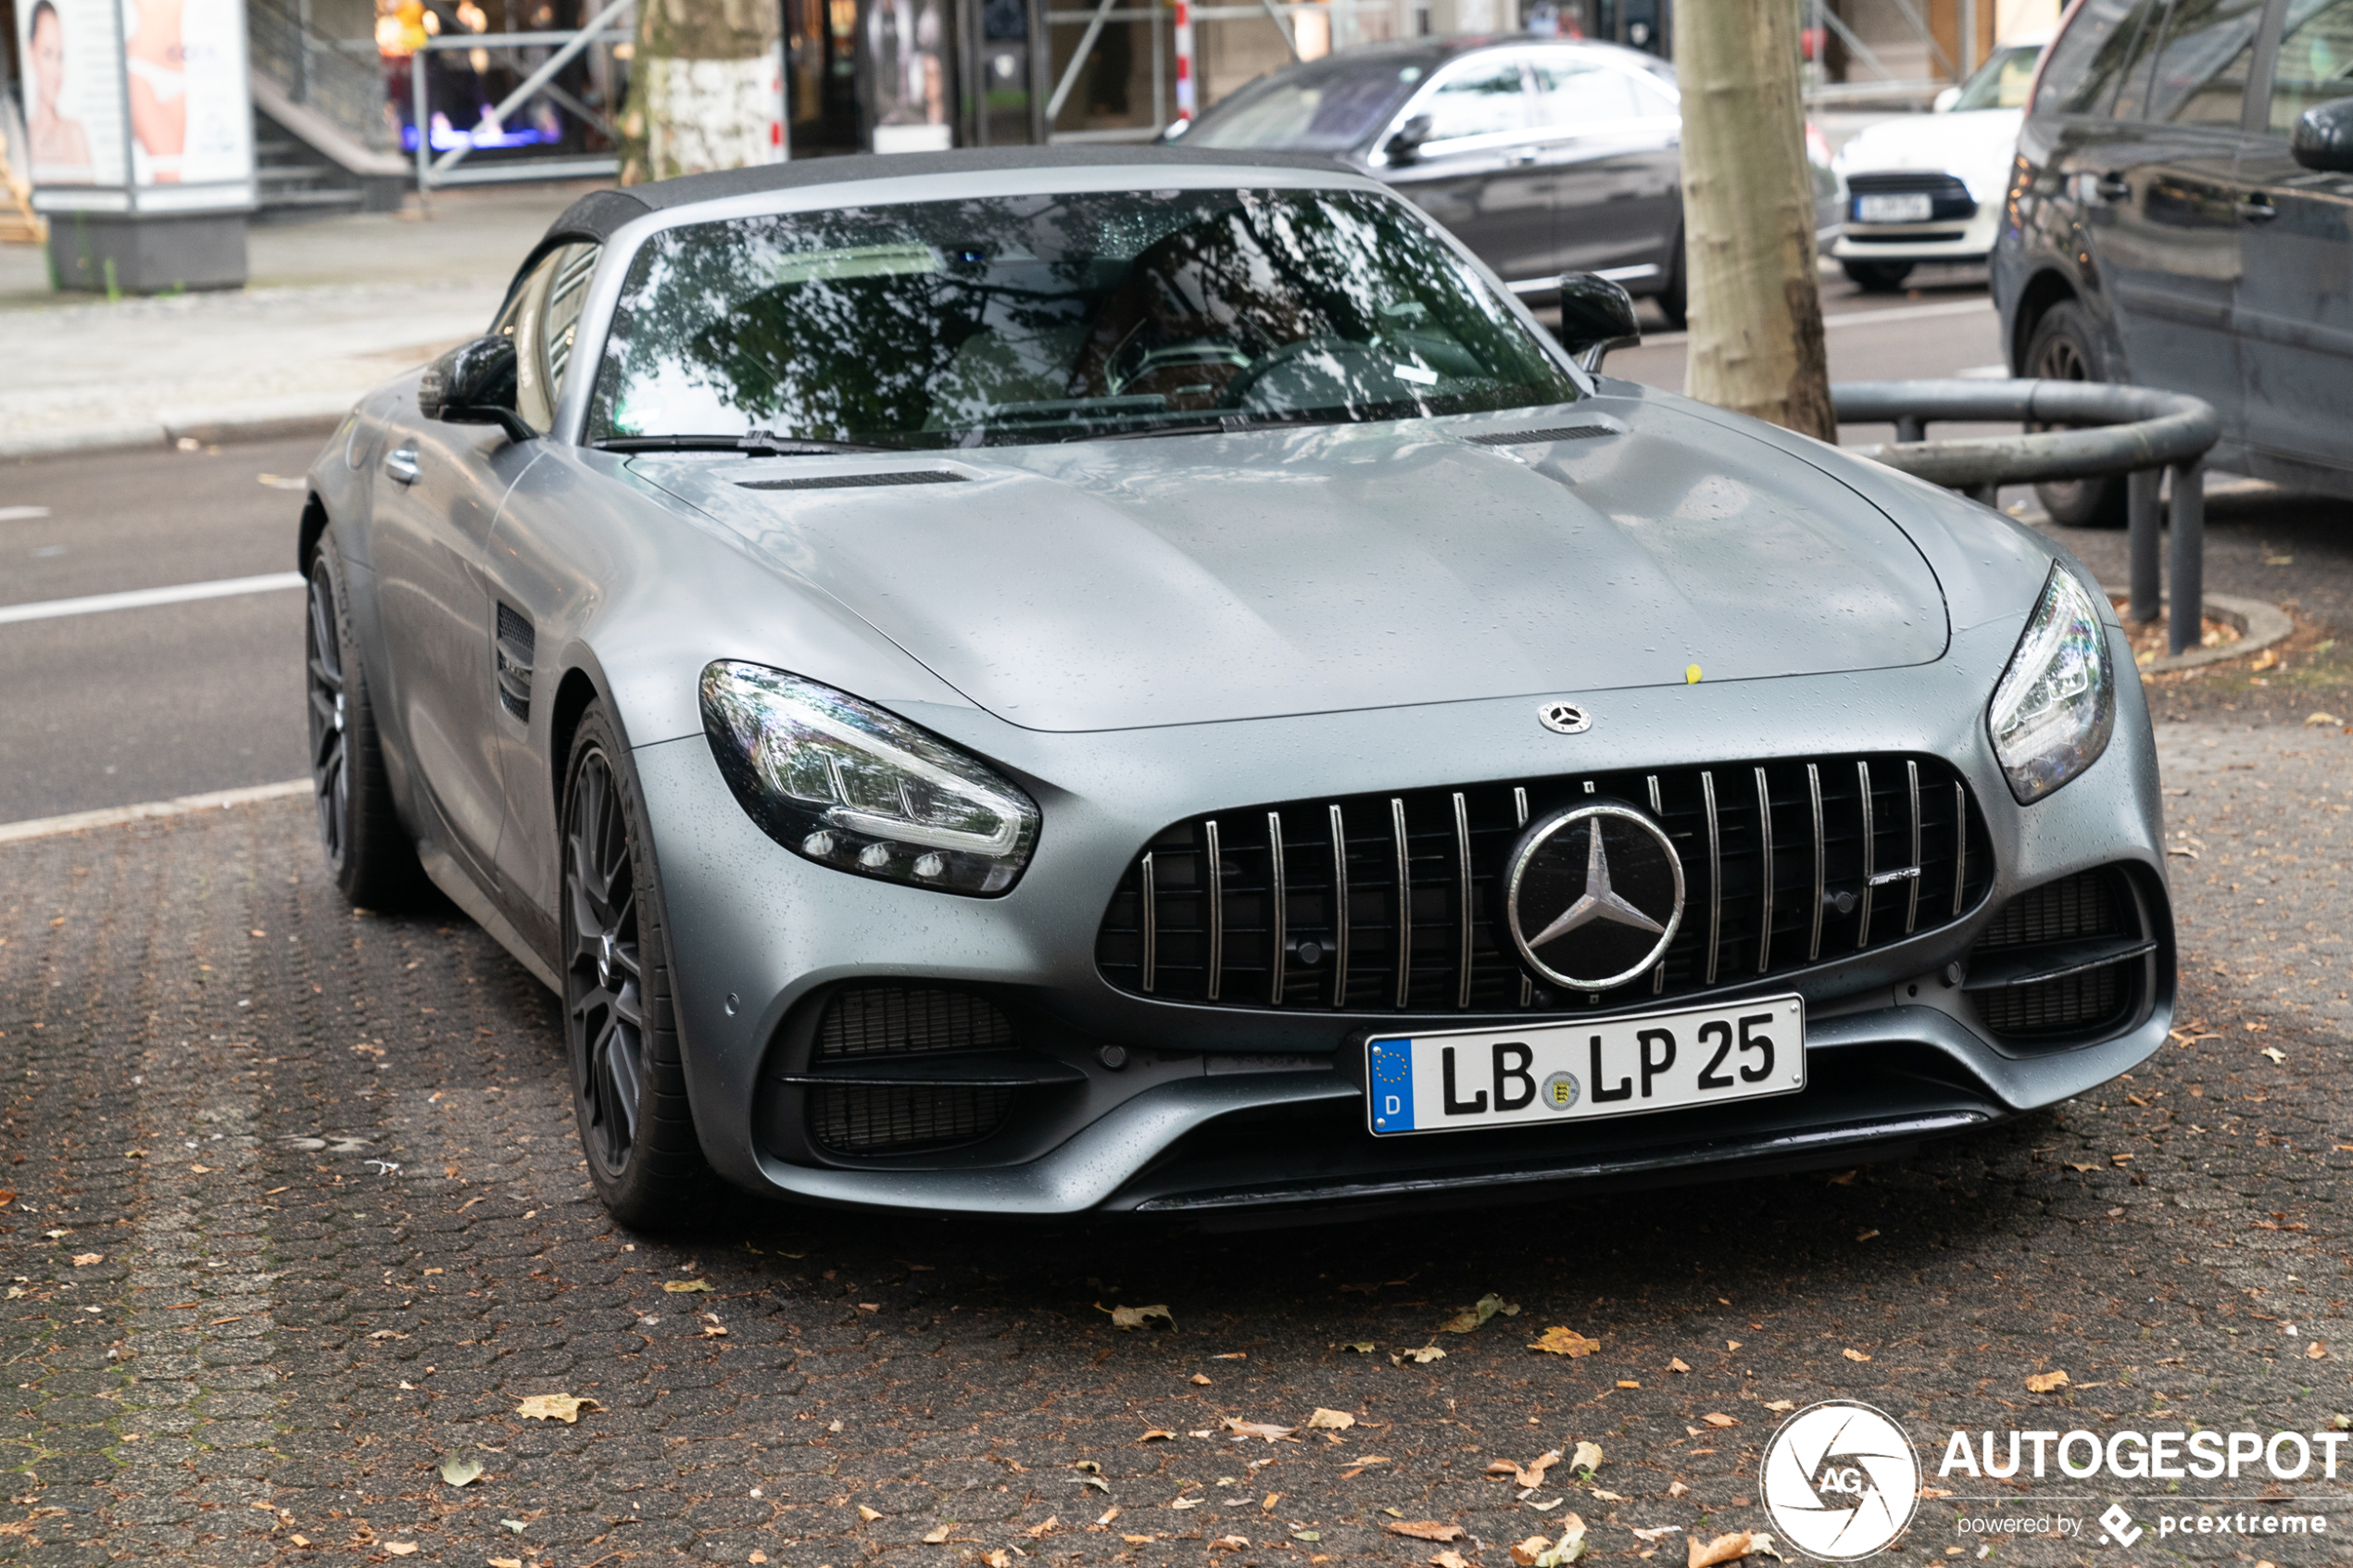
(1876,277)
(621,1026)
(373,861)
(1675,299)
(2064,347)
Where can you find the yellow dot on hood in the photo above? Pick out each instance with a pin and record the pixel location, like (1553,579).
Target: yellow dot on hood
(1691,674)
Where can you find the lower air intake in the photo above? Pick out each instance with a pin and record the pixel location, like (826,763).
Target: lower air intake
(865,1022)
(2076,925)
(903,1119)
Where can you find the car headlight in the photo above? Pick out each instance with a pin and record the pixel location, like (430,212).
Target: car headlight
(2056,705)
(842,783)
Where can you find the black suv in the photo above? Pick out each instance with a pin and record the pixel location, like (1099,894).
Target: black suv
(2179,216)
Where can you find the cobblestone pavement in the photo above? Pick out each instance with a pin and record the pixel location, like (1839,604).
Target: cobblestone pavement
(298,1215)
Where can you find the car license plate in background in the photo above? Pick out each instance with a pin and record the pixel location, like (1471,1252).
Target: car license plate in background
(1915,207)
(1552,1073)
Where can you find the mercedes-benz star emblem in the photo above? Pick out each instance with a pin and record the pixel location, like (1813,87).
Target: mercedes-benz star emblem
(1592,895)
(1564,719)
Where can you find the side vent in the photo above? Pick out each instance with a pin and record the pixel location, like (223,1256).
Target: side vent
(2062,963)
(512,650)
(1538,437)
(855,481)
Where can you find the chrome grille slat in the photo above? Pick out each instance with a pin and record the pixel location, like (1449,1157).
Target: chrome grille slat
(1209,901)
(1912,904)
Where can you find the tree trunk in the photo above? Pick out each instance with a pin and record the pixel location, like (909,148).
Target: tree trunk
(705,91)
(1748,215)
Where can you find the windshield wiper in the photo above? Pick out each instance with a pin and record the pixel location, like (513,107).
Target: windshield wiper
(755,444)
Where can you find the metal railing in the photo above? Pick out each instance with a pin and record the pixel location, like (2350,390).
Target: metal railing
(2133,430)
(563,48)
(343,79)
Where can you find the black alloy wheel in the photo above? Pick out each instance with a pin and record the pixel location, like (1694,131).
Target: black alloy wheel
(330,770)
(628,1085)
(370,855)
(2064,348)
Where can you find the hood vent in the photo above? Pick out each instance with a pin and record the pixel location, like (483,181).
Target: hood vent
(1535,437)
(856,480)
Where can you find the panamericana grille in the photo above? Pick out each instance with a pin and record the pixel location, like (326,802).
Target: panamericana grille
(1386,903)
(1949,198)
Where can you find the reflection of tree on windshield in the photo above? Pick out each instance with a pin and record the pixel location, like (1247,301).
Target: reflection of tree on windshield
(1022,319)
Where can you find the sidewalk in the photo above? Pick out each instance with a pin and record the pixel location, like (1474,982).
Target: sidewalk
(334,307)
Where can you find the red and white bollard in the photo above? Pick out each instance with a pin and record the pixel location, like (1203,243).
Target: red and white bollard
(1184,60)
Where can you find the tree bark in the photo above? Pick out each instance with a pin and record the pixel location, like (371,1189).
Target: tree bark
(700,84)
(1748,215)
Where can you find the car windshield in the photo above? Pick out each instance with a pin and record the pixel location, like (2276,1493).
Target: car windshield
(2003,81)
(1052,318)
(1324,111)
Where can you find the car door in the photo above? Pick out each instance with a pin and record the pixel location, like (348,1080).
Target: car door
(2160,206)
(438,489)
(1481,171)
(1618,202)
(2295,312)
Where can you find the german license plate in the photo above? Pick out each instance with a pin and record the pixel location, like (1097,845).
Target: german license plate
(1913,207)
(1544,1074)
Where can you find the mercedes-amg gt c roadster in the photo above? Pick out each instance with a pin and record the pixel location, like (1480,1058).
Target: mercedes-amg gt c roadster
(1074,680)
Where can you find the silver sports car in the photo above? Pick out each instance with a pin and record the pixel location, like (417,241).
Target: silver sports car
(1052,681)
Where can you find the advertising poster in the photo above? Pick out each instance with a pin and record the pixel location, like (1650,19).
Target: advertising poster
(906,59)
(191,122)
(72,92)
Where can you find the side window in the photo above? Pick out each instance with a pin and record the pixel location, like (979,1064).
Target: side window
(2315,60)
(2132,79)
(1482,101)
(2088,58)
(1577,94)
(2200,74)
(543,318)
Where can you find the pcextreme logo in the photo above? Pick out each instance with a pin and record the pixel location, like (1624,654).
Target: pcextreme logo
(1840,1480)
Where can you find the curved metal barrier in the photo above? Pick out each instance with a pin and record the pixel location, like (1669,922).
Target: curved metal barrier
(2131,431)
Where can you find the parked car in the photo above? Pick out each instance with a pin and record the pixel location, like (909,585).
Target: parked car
(1544,155)
(1926,188)
(2181,216)
(1070,679)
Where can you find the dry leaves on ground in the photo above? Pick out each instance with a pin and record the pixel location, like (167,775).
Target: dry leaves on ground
(1586,1456)
(1157,1432)
(1037,1532)
(1675,1363)
(1256,1428)
(1229,1543)
(1661,1533)
(505,1562)
(1470,1318)
(400,1549)
(1717,1417)
(1853,1355)
(1725,1549)
(999,1558)
(2044,1382)
(565,1408)
(1538,1552)
(83,1259)
(938,1536)
(1529,1474)
(460,1469)
(1422,1357)
(1780,1404)
(683,1287)
(1137,1317)
(1449,1559)
(1423,1529)
(1330,1420)
(2316,1351)
(1201,1378)
(1561,1341)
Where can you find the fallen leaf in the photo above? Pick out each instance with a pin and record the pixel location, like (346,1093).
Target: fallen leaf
(83,1259)
(1717,1417)
(868,1514)
(1933,1492)
(387,1333)
(1675,1363)
(1330,1420)
(1201,1379)
(1422,1357)
(2275,1052)
(400,1549)
(1607,1496)
(1853,1355)
(1865,1236)
(1560,1341)
(2042,1383)
(517,1525)
(1035,1531)
(1180,1504)
(1267,1505)
(1449,1559)
(1529,1551)
(1725,1548)
(555,1407)
(999,1558)
(1470,1318)
(681,1287)
(1362,1347)
(1156,1432)
(496,1561)
(1731,1344)
(2323,719)
(1658,1534)
(1627,1383)
(2316,1351)
(760,1556)
(1424,1529)
(1529,1474)
(1137,1317)
(1257,1428)
(1675,1488)
(1540,1554)
(1229,1543)
(939,1536)
(1586,1456)
(1780,1404)
(460,1469)
(1139,1540)
(305,1540)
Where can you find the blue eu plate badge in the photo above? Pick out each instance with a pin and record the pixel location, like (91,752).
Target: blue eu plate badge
(1392,1084)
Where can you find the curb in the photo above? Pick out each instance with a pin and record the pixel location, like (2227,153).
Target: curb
(2260,626)
(275,420)
(114,816)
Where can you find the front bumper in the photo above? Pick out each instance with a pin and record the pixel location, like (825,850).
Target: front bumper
(1225,1110)
(1968,239)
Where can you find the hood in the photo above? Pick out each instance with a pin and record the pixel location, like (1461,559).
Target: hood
(1193,579)
(1973,144)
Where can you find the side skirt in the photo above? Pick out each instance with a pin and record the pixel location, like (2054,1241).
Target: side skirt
(451,879)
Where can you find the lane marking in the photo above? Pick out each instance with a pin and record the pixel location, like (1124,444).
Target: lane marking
(22,514)
(1864,318)
(113,816)
(146,599)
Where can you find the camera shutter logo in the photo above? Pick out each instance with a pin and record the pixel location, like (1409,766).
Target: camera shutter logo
(1840,1480)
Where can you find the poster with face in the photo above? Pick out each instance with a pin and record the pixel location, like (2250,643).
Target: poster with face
(186,66)
(72,92)
(907,62)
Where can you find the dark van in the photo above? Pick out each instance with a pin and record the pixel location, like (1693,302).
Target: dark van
(2181,216)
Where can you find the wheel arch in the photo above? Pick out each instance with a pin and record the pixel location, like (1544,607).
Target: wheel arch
(313,527)
(2047,288)
(573,694)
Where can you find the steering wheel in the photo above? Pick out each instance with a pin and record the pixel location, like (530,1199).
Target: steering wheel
(1240,387)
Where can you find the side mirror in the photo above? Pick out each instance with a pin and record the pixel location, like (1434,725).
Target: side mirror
(475,385)
(1945,100)
(2324,137)
(1596,315)
(1409,139)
